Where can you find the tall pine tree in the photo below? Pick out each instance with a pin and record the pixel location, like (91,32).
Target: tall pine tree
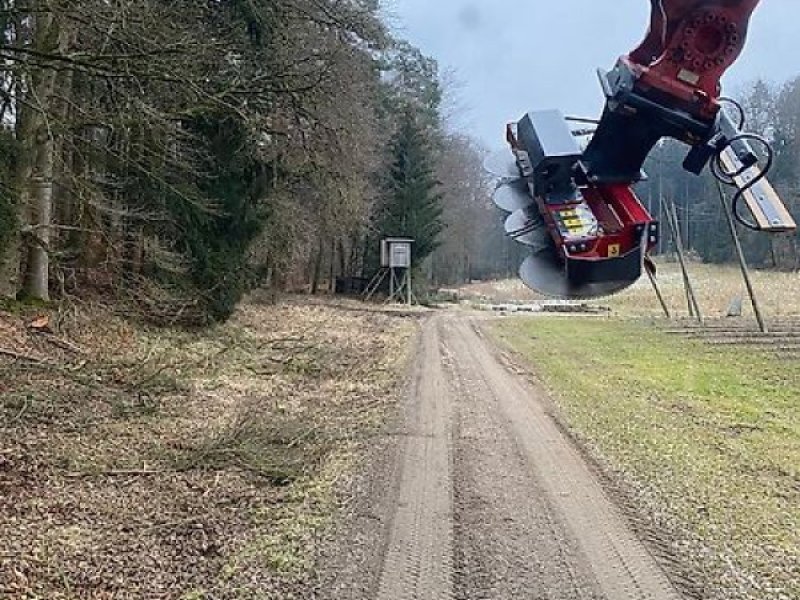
(413,206)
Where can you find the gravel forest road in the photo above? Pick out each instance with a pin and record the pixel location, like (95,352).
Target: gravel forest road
(490,499)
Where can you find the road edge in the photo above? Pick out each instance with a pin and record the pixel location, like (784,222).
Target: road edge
(656,538)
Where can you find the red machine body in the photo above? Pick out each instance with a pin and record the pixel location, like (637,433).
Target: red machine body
(599,234)
(598,222)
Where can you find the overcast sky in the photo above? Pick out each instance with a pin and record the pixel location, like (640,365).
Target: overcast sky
(511,56)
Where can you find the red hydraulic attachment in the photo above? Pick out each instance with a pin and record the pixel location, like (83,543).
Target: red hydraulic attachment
(589,233)
(588,240)
(690,45)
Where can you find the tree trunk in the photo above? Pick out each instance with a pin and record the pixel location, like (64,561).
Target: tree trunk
(40,212)
(9,265)
(100,236)
(133,254)
(332,270)
(35,177)
(10,250)
(27,123)
(317,269)
(344,271)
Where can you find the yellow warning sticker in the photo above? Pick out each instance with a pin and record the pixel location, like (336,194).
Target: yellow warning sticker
(614,250)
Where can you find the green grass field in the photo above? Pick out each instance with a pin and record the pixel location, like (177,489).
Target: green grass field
(709,438)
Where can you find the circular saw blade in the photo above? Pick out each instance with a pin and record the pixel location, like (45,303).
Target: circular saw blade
(544,273)
(512,196)
(502,164)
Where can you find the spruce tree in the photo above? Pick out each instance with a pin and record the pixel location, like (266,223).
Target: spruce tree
(413,205)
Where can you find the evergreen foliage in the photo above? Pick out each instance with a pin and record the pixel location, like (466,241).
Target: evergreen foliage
(219,241)
(413,200)
(413,83)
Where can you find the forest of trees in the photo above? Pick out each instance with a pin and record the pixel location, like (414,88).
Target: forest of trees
(172,156)
(177,154)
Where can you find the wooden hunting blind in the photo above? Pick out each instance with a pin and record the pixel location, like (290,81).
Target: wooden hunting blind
(396,253)
(396,263)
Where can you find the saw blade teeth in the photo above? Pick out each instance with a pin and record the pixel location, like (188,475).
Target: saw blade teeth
(512,196)
(533,240)
(503,165)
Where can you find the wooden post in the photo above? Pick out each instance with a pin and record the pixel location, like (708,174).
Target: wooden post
(672,219)
(332,269)
(688,222)
(661,212)
(742,260)
(659,295)
(675,229)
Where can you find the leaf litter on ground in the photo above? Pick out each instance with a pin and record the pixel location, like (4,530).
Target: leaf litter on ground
(165,463)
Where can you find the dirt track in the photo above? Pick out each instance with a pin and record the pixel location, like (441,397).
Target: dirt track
(491,500)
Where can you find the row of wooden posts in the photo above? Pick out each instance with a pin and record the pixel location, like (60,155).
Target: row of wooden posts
(691,296)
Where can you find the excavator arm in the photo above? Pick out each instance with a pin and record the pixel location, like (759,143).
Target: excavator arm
(702,37)
(589,234)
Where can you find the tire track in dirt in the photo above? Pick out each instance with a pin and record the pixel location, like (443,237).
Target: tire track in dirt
(510,543)
(494,502)
(418,561)
(622,566)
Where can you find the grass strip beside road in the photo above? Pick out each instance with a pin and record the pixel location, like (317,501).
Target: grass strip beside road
(709,438)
